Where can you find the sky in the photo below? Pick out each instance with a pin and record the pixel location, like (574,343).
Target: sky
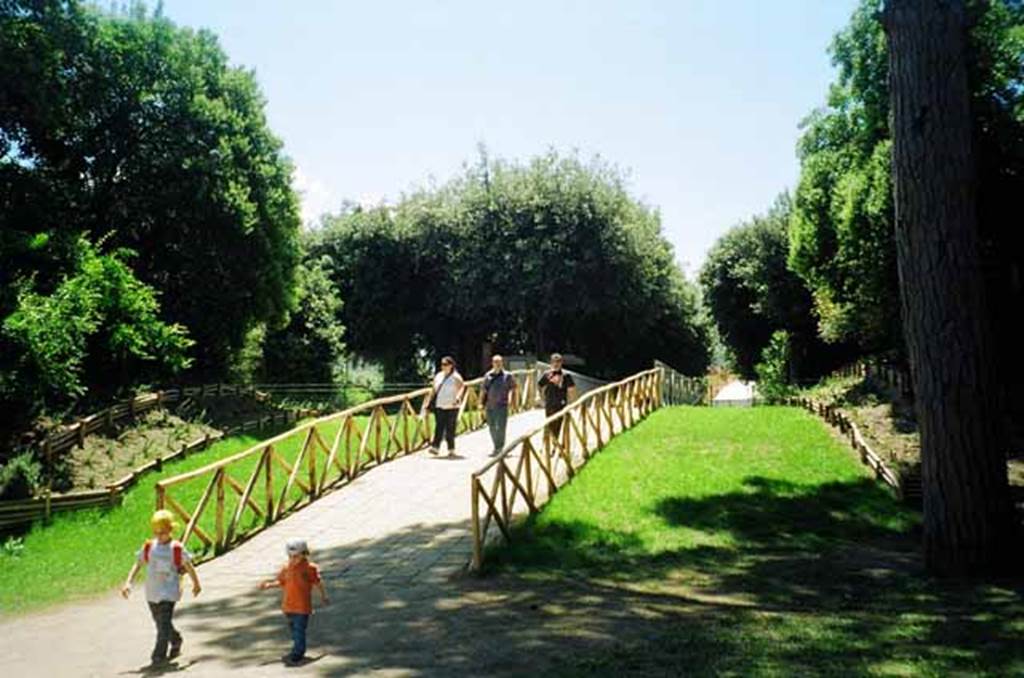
(699,101)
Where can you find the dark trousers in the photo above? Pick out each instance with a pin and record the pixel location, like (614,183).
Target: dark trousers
(165,632)
(444,427)
(555,427)
(298,623)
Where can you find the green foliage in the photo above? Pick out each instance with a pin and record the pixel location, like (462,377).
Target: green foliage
(751,293)
(842,234)
(99,326)
(773,372)
(20,476)
(549,255)
(311,347)
(12,547)
(129,125)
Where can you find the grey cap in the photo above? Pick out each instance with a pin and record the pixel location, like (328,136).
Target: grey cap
(296,547)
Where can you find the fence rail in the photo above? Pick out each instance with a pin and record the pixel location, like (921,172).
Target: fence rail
(17,513)
(679,389)
(907,484)
(896,378)
(534,466)
(225,502)
(65,437)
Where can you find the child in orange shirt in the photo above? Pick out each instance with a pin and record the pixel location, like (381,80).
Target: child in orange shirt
(297,579)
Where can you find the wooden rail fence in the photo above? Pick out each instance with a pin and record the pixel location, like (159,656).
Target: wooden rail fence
(17,513)
(534,466)
(894,377)
(66,437)
(225,502)
(907,485)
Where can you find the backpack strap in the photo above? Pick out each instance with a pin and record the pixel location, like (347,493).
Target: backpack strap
(145,550)
(176,549)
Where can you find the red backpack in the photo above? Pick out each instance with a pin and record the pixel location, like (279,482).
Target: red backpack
(176,554)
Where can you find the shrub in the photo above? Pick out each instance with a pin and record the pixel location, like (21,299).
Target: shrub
(773,370)
(20,476)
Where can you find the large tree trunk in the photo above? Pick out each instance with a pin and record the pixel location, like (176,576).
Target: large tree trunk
(968,516)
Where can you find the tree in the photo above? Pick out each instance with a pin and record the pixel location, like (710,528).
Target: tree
(98,329)
(128,128)
(311,346)
(752,295)
(548,255)
(968,516)
(842,237)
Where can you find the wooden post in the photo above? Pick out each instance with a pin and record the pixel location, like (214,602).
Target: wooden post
(269,468)
(161,501)
(219,517)
(311,456)
(478,550)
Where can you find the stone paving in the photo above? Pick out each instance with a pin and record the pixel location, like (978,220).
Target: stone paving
(389,544)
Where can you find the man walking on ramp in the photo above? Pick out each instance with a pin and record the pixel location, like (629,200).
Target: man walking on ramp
(558,388)
(497,392)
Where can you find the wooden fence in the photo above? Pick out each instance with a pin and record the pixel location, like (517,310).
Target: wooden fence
(907,484)
(679,389)
(225,502)
(18,513)
(894,377)
(66,437)
(534,466)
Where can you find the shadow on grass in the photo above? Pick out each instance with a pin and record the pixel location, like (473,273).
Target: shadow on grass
(801,579)
(819,580)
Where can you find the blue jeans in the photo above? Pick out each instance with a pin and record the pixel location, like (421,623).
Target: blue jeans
(497,421)
(298,623)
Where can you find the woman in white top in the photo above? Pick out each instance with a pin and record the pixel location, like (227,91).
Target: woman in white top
(448,391)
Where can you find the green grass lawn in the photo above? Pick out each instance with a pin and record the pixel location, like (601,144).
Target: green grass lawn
(752,542)
(87,552)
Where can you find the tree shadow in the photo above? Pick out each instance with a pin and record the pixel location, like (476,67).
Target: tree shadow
(803,580)
(819,579)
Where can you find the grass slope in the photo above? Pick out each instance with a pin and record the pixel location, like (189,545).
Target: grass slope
(87,552)
(750,542)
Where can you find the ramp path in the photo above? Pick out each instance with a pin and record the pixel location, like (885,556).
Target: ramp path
(394,536)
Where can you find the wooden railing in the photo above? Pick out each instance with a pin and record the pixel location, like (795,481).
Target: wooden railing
(534,466)
(67,436)
(680,389)
(225,502)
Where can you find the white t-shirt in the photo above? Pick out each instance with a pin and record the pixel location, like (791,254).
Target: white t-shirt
(163,583)
(447,387)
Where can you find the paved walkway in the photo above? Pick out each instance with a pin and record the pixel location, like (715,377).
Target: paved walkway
(389,545)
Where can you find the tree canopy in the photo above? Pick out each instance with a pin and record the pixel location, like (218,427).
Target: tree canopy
(142,199)
(752,295)
(842,241)
(128,128)
(552,254)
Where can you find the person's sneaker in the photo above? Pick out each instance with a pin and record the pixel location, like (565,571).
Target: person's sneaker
(159,661)
(175,649)
(434,451)
(290,660)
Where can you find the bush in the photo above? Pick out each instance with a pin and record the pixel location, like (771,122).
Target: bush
(773,370)
(20,477)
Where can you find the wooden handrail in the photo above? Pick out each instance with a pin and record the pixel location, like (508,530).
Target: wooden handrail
(357,447)
(533,473)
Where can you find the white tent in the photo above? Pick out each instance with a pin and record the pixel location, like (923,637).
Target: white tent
(735,394)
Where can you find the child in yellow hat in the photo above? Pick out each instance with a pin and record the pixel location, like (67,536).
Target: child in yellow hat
(165,560)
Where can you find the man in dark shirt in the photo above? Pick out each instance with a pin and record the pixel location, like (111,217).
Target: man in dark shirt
(558,389)
(497,391)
